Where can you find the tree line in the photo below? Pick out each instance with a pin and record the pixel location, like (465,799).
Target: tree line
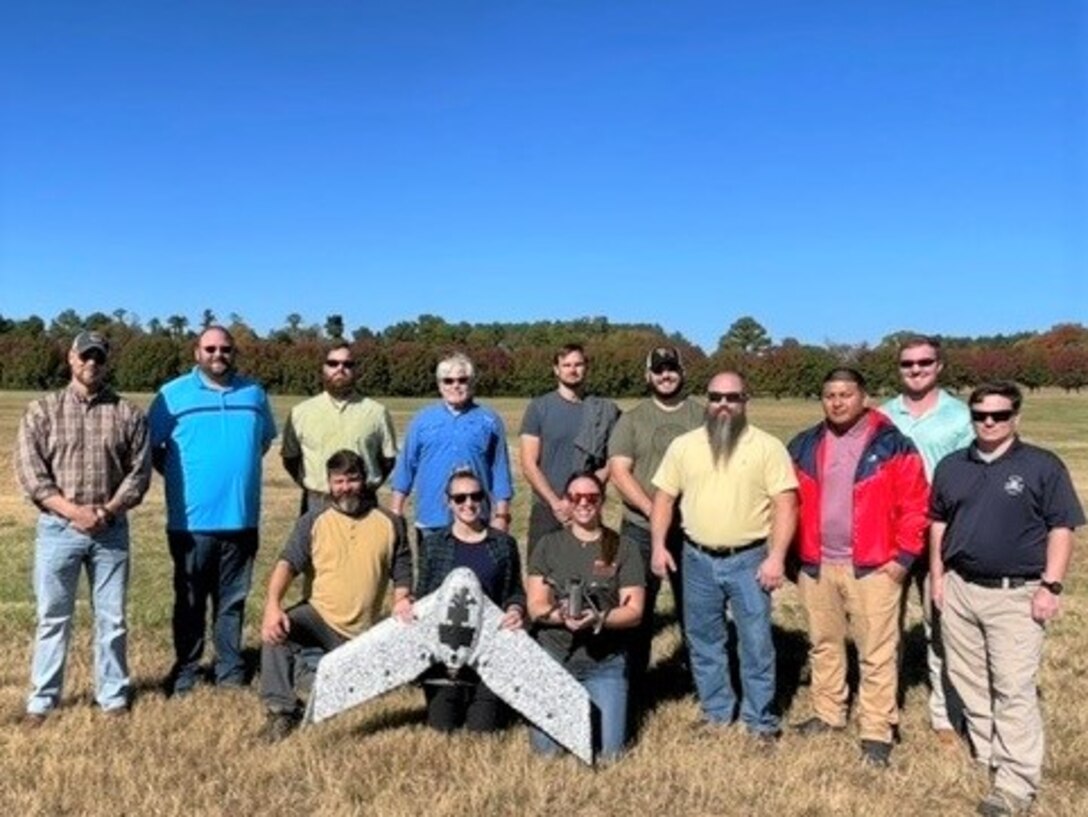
(515,359)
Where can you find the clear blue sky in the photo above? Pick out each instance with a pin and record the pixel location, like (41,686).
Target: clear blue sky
(839,170)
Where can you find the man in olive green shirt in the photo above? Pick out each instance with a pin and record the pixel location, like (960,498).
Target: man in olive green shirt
(635,449)
(337,419)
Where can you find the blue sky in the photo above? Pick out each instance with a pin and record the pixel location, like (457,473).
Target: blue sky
(839,170)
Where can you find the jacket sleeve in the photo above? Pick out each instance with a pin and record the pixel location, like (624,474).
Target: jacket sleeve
(912,505)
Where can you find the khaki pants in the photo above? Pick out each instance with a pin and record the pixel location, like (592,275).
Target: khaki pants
(868,608)
(993,648)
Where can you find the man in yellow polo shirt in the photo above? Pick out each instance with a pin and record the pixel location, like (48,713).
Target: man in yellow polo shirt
(350,550)
(738,504)
(338,418)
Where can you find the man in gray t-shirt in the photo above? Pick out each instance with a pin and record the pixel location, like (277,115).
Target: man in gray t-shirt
(635,450)
(563,433)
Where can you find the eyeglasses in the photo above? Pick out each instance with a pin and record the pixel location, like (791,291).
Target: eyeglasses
(921,363)
(97,355)
(223,350)
(1002,416)
(661,368)
(449,381)
(461,499)
(585,499)
(340,364)
(727,396)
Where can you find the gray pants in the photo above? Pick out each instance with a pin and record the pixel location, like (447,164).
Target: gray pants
(281,663)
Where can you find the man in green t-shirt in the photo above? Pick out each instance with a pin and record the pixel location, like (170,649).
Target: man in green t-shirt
(636,447)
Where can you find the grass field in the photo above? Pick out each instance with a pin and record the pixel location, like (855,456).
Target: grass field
(199,755)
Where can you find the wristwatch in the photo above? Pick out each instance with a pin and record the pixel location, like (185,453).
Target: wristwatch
(1054,587)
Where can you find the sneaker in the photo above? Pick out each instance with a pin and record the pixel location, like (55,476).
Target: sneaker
(765,742)
(815,726)
(999,803)
(876,753)
(277,726)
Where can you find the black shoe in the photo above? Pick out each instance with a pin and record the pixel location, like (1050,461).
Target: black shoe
(876,753)
(815,726)
(765,742)
(277,726)
(1002,804)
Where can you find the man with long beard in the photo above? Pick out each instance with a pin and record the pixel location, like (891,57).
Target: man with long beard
(738,504)
(349,549)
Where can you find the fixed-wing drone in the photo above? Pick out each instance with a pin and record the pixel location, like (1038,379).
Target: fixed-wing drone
(457,626)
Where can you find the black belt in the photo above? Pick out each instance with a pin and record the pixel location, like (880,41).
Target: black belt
(998,582)
(721,553)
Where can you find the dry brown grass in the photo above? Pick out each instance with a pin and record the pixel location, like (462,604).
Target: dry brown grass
(198,755)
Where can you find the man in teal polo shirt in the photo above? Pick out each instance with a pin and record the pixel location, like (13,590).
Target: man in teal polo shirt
(938,424)
(335,420)
(209,430)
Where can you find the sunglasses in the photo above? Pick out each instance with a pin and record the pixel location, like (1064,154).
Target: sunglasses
(921,363)
(449,381)
(1002,416)
(97,355)
(661,368)
(223,350)
(727,396)
(585,499)
(340,364)
(461,499)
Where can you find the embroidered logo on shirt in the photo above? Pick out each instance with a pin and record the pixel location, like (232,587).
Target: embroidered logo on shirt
(1014,485)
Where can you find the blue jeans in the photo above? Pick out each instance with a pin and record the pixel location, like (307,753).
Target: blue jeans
(216,565)
(710,583)
(59,554)
(606,684)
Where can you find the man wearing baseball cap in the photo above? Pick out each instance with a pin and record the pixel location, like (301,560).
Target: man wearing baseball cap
(82,458)
(636,447)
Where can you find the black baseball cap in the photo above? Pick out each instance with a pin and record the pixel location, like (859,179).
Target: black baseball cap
(664,357)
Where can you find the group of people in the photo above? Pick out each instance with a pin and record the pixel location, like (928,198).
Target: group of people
(719,507)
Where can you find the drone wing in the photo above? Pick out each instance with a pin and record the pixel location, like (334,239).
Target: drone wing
(377,661)
(519,671)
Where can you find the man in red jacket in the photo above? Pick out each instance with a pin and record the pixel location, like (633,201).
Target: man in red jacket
(863,518)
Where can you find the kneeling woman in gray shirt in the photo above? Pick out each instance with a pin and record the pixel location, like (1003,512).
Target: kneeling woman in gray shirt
(586,593)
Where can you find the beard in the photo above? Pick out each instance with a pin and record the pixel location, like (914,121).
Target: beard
(722,432)
(351,504)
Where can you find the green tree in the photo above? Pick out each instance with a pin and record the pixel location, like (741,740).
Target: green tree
(747,335)
(334,327)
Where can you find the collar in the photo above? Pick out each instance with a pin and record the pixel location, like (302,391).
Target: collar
(205,383)
(973,453)
(100,396)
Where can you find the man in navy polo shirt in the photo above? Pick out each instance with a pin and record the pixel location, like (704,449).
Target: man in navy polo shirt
(1001,538)
(209,430)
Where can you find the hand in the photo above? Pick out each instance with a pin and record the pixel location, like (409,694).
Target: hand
(771,572)
(1044,605)
(85,520)
(662,563)
(587,620)
(895,571)
(936,591)
(512,619)
(403,610)
(275,625)
(562,509)
(501,522)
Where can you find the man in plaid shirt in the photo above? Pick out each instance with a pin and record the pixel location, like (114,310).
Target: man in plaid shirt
(82,458)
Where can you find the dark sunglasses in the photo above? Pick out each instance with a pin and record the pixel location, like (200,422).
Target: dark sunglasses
(661,368)
(97,355)
(449,381)
(593,498)
(727,396)
(340,364)
(223,350)
(921,363)
(1002,416)
(461,499)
